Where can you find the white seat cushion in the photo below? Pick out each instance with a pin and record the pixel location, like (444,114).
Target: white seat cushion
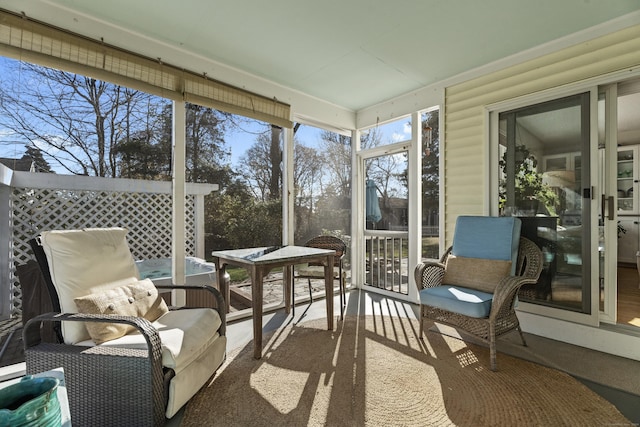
(184,334)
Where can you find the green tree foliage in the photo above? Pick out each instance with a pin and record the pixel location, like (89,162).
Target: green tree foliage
(431,168)
(236,219)
(140,158)
(206,151)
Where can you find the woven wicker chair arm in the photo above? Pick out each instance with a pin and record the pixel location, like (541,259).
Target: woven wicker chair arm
(445,255)
(531,255)
(220,305)
(31,331)
(507,290)
(429,274)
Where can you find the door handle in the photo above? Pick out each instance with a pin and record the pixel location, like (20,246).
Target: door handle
(603,201)
(611,207)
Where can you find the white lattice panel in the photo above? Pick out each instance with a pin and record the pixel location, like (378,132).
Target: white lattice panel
(147,216)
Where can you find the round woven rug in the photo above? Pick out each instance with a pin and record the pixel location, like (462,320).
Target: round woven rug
(373,371)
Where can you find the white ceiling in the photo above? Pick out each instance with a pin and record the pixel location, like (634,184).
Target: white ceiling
(351,54)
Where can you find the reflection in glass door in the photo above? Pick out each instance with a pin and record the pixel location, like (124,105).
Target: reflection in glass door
(545,180)
(387,221)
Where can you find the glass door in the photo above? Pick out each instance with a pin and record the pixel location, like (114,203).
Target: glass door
(615,181)
(387,208)
(545,160)
(619,130)
(387,222)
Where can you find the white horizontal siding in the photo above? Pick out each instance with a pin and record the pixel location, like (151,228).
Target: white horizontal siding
(465,148)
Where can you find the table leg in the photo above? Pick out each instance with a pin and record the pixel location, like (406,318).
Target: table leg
(256,293)
(223,286)
(287,282)
(328,289)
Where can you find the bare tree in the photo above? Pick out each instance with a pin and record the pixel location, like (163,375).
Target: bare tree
(388,173)
(307,175)
(255,167)
(336,150)
(76,121)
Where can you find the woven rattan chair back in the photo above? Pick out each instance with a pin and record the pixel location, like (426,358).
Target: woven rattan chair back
(337,245)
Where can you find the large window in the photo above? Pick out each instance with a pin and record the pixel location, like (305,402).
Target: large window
(322,189)
(56,122)
(322,183)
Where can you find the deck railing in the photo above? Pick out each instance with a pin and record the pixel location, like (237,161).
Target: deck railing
(387,260)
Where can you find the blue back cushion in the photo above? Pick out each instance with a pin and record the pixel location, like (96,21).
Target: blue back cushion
(487,237)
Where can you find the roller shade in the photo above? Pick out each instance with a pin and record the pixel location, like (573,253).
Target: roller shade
(31,41)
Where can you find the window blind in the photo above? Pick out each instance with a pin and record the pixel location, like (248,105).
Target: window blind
(25,39)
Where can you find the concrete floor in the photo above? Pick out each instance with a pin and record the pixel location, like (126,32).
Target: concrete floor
(615,378)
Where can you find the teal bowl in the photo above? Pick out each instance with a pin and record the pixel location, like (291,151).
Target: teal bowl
(31,402)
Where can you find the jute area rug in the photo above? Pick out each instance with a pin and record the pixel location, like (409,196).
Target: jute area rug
(373,371)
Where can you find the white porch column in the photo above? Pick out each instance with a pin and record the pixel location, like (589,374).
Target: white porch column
(199,226)
(5,242)
(288,226)
(179,193)
(415,202)
(357,212)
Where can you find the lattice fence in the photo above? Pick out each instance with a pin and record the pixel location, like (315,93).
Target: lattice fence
(147,216)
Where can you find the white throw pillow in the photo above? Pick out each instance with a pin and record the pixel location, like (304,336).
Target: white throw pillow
(139,299)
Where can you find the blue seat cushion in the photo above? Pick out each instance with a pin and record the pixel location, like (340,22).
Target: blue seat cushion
(465,301)
(487,237)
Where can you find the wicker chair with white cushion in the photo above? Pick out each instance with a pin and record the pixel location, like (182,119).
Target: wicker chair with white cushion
(127,358)
(475,284)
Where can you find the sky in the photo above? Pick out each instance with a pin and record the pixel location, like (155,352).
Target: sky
(240,141)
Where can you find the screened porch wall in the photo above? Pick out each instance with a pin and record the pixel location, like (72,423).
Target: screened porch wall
(34,202)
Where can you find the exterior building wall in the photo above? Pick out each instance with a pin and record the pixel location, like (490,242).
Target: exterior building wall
(467,166)
(466,160)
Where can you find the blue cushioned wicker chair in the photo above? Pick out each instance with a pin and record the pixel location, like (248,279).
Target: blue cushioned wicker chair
(475,284)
